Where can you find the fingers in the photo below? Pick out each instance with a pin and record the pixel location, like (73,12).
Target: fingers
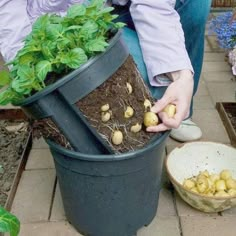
(161,104)
(158,128)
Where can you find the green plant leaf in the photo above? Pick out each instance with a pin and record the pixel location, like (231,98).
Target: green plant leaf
(4,78)
(26,73)
(26,59)
(88,30)
(76,10)
(9,223)
(54,31)
(74,58)
(96,45)
(42,69)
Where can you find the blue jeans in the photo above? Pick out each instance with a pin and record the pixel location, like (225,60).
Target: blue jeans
(193,16)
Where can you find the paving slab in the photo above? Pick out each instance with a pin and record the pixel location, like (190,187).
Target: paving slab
(166,206)
(203,103)
(58,212)
(211,125)
(209,66)
(222,92)
(208,226)
(48,229)
(219,76)
(161,226)
(39,144)
(202,89)
(214,56)
(40,159)
(33,197)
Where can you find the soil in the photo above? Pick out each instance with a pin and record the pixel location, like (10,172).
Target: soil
(13,136)
(115,93)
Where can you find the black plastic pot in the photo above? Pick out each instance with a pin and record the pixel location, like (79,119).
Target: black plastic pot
(110,195)
(57,100)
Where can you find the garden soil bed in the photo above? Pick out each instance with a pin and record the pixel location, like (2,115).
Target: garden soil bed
(227,111)
(115,93)
(15,144)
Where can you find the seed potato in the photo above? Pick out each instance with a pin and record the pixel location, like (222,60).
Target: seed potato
(150,119)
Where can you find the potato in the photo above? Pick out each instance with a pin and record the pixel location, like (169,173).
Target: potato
(105,107)
(220,185)
(117,137)
(204,173)
(202,184)
(150,119)
(232,192)
(129,112)
(230,183)
(189,184)
(106,116)
(194,190)
(136,128)
(170,109)
(225,174)
(214,177)
(147,104)
(129,88)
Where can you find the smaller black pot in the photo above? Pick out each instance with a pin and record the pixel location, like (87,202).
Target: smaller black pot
(58,100)
(110,195)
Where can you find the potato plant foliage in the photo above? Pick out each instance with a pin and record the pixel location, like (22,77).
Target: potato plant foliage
(57,45)
(9,223)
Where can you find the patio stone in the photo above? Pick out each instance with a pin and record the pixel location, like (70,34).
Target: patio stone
(166,206)
(222,92)
(163,226)
(202,89)
(33,197)
(40,159)
(218,76)
(48,229)
(211,125)
(39,143)
(203,102)
(58,212)
(207,226)
(184,209)
(214,56)
(209,66)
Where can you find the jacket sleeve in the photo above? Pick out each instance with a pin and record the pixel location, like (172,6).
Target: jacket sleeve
(36,8)
(161,37)
(14,26)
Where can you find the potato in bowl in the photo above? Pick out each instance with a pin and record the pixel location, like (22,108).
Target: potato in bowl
(193,158)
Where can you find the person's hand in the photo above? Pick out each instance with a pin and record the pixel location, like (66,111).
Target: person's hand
(179,93)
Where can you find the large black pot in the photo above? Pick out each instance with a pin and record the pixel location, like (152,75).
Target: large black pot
(110,195)
(57,101)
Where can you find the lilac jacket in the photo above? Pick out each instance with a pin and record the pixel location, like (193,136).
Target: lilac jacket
(157,23)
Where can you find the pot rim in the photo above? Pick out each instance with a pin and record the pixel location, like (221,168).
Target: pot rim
(69,76)
(155,141)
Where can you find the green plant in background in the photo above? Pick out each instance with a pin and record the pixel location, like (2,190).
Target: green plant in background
(9,223)
(57,45)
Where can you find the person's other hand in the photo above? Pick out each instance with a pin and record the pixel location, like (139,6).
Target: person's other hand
(179,93)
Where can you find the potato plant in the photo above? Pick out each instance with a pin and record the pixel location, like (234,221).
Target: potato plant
(57,45)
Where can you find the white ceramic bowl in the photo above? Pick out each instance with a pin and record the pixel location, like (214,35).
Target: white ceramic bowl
(186,161)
